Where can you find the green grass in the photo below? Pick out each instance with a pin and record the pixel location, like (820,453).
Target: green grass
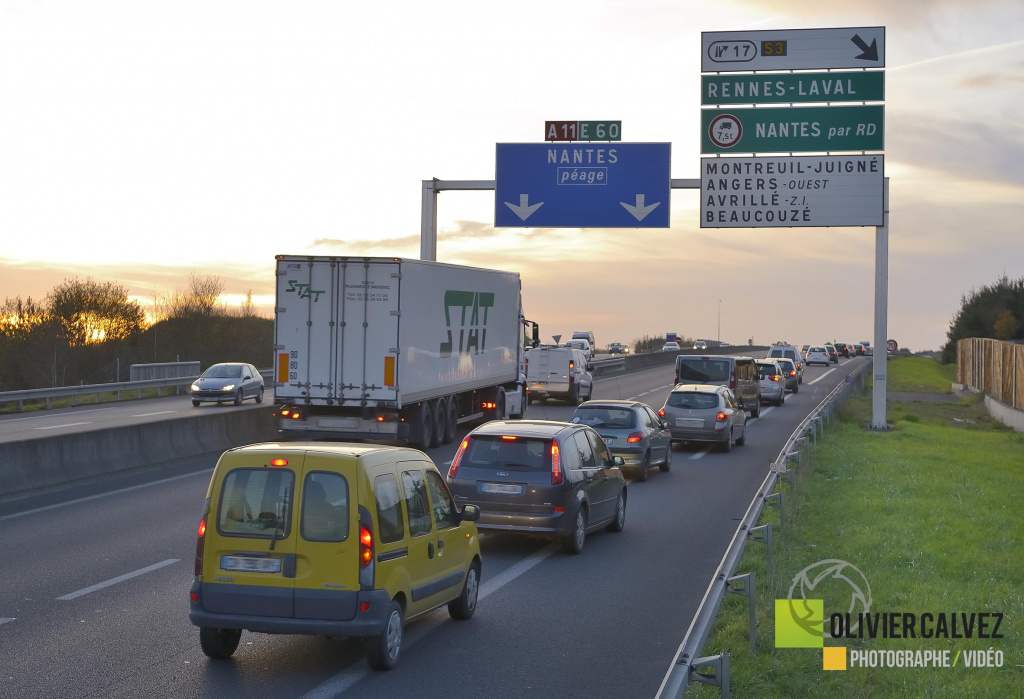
(930,512)
(911,374)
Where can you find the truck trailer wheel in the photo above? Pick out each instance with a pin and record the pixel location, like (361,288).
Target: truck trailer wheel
(425,424)
(451,424)
(440,411)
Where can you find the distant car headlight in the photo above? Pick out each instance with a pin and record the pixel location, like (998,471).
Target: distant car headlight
(229,387)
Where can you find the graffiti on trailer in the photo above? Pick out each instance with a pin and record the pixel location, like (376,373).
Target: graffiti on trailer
(471,318)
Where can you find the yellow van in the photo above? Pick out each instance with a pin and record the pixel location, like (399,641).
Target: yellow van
(331,539)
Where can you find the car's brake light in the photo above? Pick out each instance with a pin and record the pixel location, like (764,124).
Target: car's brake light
(793,373)
(200,542)
(775,377)
(721,416)
(556,466)
(635,437)
(365,547)
(454,468)
(661,413)
(279,462)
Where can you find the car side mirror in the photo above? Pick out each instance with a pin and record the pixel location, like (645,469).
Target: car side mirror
(618,461)
(665,424)
(590,366)
(470,513)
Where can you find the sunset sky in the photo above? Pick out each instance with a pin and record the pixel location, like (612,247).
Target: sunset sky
(141,141)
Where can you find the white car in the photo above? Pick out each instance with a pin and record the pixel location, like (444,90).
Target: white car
(671,347)
(818,355)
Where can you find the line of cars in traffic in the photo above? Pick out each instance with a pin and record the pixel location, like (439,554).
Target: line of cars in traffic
(347,539)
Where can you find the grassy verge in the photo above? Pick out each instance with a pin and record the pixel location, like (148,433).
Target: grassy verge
(930,513)
(911,374)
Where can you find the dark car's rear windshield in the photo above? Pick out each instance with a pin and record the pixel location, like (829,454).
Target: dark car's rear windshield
(764,370)
(693,401)
(605,417)
(512,453)
(702,370)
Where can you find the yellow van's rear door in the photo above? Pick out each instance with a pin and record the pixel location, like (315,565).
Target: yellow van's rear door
(249,558)
(327,546)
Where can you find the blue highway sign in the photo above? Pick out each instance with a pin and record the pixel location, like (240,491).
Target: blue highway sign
(582,185)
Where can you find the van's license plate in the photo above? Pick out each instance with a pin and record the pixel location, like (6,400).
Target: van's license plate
(249,564)
(503,488)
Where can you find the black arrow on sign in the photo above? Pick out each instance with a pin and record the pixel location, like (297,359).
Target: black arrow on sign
(870,52)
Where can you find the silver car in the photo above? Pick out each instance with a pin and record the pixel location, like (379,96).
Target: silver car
(790,373)
(631,430)
(233,382)
(773,382)
(705,413)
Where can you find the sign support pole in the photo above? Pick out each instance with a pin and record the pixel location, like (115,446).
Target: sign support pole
(881,354)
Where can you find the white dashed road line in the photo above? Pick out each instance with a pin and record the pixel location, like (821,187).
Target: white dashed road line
(38,417)
(161,412)
(821,377)
(5,620)
(699,454)
(57,427)
(120,578)
(343,680)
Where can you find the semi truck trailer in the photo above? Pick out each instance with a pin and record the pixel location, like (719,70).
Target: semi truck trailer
(396,349)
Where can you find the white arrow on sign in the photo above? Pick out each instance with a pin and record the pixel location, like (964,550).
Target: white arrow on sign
(640,211)
(524,209)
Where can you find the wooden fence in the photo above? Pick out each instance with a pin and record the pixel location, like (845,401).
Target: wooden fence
(992,367)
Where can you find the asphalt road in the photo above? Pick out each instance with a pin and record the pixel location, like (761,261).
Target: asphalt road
(95,584)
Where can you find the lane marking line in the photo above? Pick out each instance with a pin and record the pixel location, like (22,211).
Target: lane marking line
(160,412)
(129,489)
(343,680)
(44,415)
(699,454)
(57,427)
(811,383)
(5,620)
(119,578)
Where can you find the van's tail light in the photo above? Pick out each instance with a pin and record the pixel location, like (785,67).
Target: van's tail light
(571,364)
(635,437)
(556,465)
(365,547)
(200,543)
(454,468)
(732,382)
(721,416)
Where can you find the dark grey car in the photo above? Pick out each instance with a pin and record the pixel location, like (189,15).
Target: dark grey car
(631,430)
(554,480)
(232,381)
(703,413)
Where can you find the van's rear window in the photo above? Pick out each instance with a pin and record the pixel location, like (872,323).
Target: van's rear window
(519,454)
(256,502)
(703,370)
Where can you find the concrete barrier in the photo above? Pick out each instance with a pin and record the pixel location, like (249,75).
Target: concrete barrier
(639,362)
(34,464)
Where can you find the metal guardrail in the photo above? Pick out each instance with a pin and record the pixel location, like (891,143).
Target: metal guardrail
(682,671)
(96,390)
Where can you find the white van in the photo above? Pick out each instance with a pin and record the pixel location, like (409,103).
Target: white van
(558,372)
(583,346)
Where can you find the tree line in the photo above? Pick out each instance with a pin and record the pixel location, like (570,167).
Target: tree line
(995,311)
(89,332)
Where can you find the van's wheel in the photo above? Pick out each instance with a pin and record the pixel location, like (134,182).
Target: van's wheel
(756,412)
(574,398)
(440,410)
(463,607)
(382,651)
(219,644)
(451,424)
(238,397)
(574,542)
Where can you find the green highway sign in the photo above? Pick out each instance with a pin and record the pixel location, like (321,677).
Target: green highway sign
(793,129)
(793,87)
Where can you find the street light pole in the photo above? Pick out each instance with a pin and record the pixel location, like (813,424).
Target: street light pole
(719,322)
